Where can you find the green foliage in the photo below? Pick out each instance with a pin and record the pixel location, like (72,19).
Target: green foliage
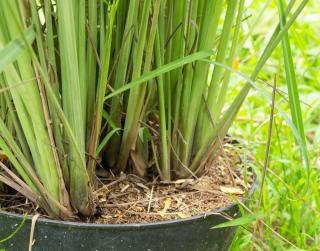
(82,78)
(290,205)
(243,220)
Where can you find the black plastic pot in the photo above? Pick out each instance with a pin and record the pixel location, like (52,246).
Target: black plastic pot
(189,234)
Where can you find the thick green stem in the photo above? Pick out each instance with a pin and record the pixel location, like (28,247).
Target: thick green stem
(208,30)
(165,156)
(204,124)
(120,79)
(137,94)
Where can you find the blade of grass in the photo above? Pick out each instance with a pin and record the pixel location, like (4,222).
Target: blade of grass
(105,140)
(161,70)
(292,85)
(12,51)
(244,220)
(16,230)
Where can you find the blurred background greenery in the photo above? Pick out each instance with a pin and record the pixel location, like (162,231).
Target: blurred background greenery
(291,208)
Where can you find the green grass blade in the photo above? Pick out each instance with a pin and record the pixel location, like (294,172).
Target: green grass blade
(276,38)
(105,140)
(16,230)
(292,85)
(244,220)
(12,51)
(161,70)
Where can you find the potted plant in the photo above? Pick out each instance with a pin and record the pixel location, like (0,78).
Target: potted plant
(125,87)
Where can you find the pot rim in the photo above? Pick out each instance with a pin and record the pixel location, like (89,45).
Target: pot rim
(133,225)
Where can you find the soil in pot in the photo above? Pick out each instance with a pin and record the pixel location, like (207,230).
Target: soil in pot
(130,199)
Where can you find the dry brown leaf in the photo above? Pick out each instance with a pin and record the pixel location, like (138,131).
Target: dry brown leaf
(181,181)
(231,190)
(167,204)
(107,217)
(184,215)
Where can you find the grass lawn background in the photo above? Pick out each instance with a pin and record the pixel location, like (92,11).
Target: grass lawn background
(290,208)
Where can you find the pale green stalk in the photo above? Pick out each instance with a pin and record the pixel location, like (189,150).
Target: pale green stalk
(101,91)
(91,76)
(72,90)
(136,96)
(12,116)
(167,57)
(81,43)
(192,42)
(207,34)
(165,171)
(226,79)
(204,124)
(177,43)
(120,79)
(52,74)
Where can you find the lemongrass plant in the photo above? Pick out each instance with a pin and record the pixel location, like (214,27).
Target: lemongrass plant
(119,83)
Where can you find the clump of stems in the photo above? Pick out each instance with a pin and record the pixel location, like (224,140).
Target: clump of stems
(121,84)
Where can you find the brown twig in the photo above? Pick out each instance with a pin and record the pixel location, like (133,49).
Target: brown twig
(150,200)
(33,226)
(266,159)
